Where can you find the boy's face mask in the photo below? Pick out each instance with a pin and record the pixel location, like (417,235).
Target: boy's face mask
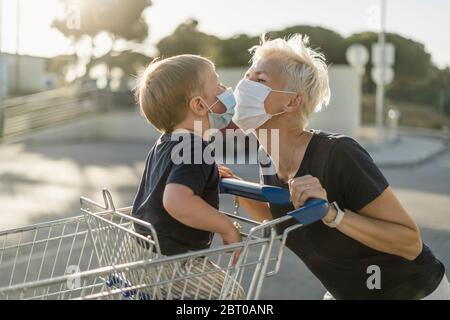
(250,113)
(222,120)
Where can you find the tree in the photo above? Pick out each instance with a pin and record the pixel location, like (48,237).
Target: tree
(188,39)
(117,18)
(416,78)
(224,52)
(234,52)
(127,60)
(61,64)
(412,63)
(331,43)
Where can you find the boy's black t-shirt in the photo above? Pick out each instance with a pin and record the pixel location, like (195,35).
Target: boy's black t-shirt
(200,176)
(350,177)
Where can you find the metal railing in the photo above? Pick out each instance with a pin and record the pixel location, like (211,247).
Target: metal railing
(23,115)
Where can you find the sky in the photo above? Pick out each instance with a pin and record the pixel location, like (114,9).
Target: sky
(424,21)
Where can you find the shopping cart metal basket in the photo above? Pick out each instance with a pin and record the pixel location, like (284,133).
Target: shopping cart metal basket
(99,255)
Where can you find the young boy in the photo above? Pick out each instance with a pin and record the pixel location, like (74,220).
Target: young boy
(181,200)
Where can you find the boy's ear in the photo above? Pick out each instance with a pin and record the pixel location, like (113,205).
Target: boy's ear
(197,106)
(296,102)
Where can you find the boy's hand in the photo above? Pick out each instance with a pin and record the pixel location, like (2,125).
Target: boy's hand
(225,172)
(232,236)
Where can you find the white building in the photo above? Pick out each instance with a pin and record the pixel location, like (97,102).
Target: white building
(24,74)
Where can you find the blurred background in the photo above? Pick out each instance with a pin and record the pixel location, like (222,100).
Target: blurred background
(69,125)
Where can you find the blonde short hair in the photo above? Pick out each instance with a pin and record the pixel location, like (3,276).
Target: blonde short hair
(166,87)
(305,70)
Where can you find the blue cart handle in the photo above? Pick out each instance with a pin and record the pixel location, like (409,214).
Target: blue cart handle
(313,210)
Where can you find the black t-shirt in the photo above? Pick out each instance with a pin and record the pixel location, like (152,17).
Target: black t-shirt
(199,175)
(350,177)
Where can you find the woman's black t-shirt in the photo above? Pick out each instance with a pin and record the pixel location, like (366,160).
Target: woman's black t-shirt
(351,178)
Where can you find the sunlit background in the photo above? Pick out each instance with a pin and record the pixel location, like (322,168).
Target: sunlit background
(64,61)
(410,18)
(69,124)
(67,61)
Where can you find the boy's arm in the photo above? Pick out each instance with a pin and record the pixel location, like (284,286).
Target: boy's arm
(183,205)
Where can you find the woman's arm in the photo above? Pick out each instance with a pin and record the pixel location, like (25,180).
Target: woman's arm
(383,224)
(258,210)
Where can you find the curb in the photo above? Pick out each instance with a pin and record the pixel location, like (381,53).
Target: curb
(413,163)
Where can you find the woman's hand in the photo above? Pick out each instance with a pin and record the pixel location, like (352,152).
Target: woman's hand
(304,188)
(225,172)
(307,187)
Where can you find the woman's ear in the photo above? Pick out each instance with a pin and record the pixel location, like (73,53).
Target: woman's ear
(197,106)
(296,102)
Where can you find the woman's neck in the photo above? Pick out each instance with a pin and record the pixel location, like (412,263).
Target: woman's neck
(286,148)
(281,139)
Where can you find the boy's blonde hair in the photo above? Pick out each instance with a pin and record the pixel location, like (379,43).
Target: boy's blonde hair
(166,87)
(305,70)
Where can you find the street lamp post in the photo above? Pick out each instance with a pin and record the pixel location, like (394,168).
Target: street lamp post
(1,15)
(1,73)
(383,59)
(17,69)
(380,84)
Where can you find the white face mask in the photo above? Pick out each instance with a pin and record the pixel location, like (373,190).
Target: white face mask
(250,113)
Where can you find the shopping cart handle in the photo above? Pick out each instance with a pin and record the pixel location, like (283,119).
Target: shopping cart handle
(255,191)
(313,210)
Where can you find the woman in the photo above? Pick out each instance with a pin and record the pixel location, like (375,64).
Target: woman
(367,246)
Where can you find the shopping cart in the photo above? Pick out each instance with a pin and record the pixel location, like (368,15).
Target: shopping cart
(99,255)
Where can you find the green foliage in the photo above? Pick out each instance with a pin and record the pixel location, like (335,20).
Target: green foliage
(188,39)
(117,18)
(412,63)
(59,64)
(416,78)
(332,44)
(225,52)
(120,19)
(234,52)
(128,61)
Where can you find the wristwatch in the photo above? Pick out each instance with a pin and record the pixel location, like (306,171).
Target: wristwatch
(339,216)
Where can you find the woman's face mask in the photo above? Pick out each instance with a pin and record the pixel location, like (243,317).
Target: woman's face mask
(250,113)
(222,120)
